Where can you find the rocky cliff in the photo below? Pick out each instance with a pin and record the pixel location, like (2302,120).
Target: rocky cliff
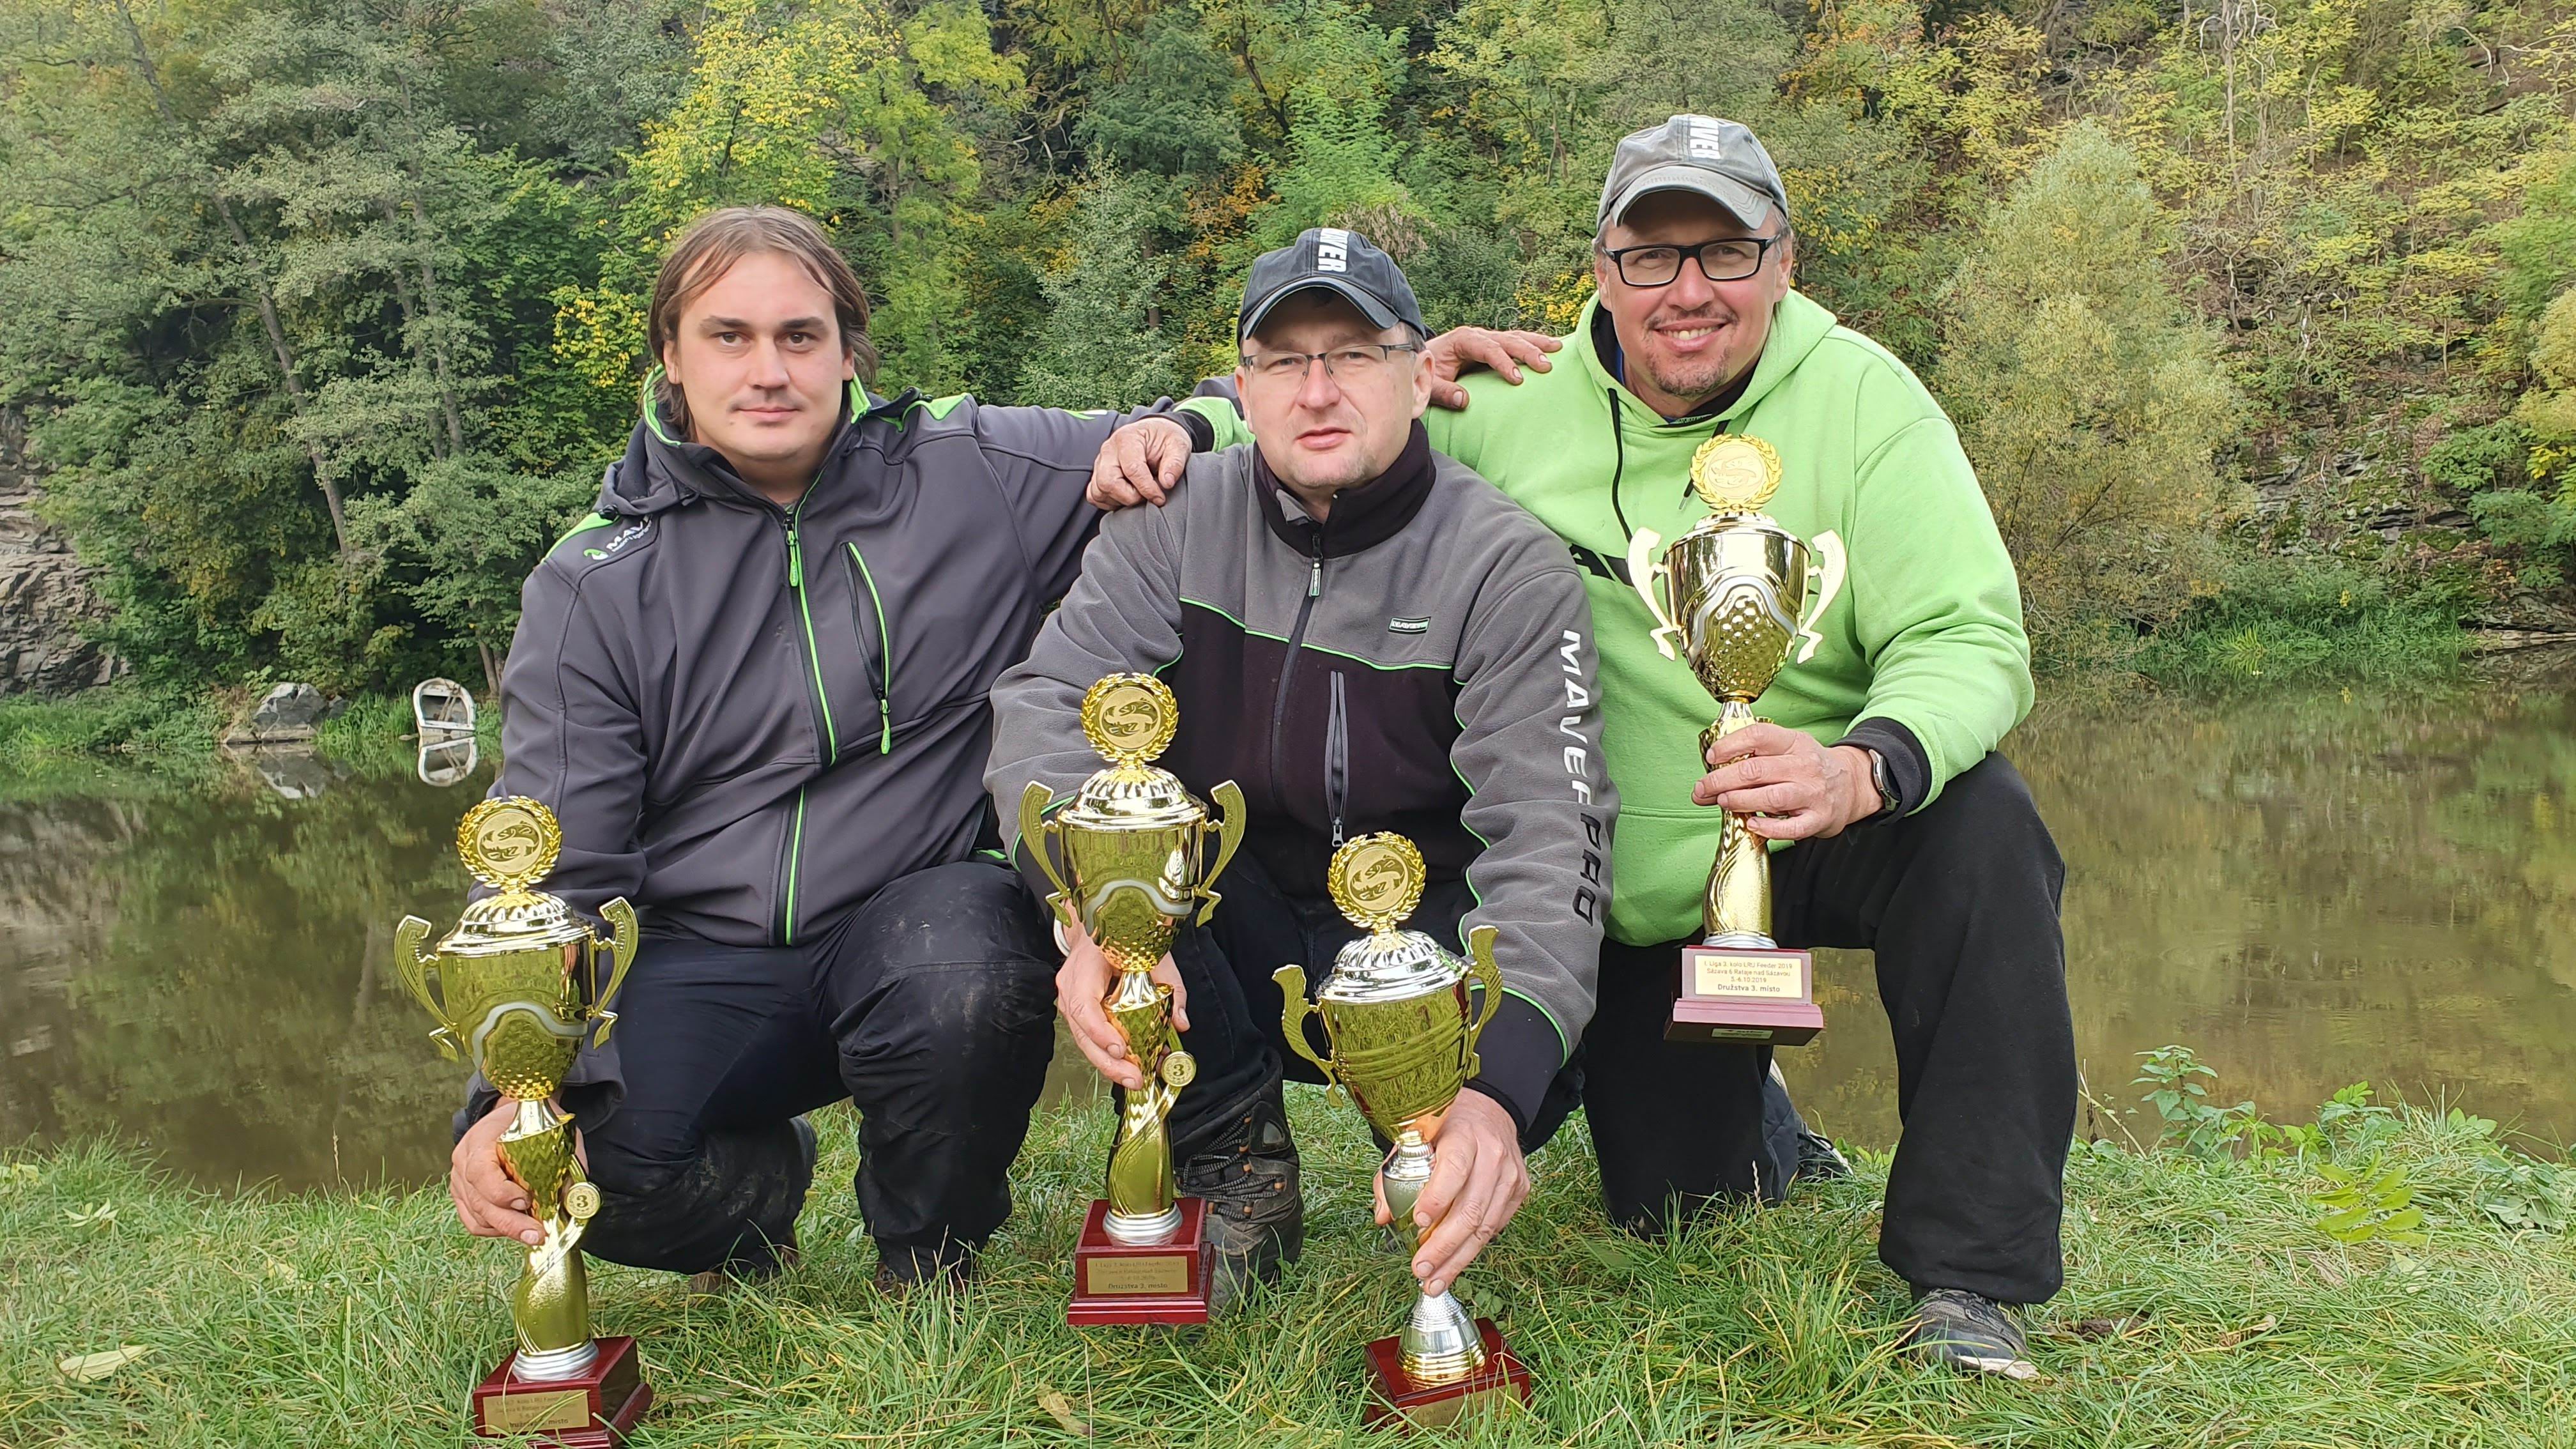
(44,592)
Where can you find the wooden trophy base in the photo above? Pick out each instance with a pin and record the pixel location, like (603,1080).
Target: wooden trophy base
(593,1410)
(1745,996)
(1401,1404)
(1166,1282)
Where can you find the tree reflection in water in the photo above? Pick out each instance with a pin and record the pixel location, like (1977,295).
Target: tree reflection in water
(2308,891)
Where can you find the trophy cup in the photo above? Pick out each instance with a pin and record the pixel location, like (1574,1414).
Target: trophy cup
(1397,1016)
(1734,592)
(1132,843)
(516,1003)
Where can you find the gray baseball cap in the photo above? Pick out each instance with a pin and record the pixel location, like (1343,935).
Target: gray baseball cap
(1340,261)
(1718,159)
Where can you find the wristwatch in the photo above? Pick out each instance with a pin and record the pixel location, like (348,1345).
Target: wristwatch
(1881,781)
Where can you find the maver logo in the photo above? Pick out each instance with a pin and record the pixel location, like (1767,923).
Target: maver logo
(624,536)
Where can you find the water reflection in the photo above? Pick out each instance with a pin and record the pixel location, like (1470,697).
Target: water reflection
(2309,892)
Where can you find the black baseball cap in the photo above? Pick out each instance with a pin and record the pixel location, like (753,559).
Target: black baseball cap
(1340,261)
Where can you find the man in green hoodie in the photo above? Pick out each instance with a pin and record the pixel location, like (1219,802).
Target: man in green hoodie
(1896,827)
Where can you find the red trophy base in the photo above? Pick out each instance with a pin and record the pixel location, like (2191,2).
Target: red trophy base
(1166,1282)
(1400,1403)
(1745,996)
(592,1410)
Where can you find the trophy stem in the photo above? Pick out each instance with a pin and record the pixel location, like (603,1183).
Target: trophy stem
(1737,908)
(1440,1343)
(1143,1198)
(550,1304)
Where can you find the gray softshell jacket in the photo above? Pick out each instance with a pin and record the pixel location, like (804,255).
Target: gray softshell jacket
(750,717)
(1422,662)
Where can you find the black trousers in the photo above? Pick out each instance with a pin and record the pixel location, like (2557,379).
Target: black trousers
(1959,903)
(931,1006)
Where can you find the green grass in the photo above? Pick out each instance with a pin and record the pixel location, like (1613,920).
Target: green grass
(2277,621)
(360,1318)
(116,729)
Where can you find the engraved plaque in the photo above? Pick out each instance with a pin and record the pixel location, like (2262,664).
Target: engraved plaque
(534,1413)
(1162,1273)
(1719,973)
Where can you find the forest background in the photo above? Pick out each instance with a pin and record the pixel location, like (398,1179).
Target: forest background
(318,318)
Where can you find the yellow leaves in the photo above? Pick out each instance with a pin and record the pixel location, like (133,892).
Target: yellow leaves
(600,333)
(96,1216)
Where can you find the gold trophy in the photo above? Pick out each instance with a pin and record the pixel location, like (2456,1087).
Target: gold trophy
(515,1002)
(1402,1030)
(1132,844)
(1734,595)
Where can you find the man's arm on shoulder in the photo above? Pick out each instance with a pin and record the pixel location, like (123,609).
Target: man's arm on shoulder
(1122,614)
(1529,748)
(1937,609)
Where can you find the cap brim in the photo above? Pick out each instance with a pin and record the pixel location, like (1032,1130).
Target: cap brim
(1747,204)
(1377,312)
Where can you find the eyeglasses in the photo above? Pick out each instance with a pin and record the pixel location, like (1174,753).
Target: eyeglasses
(1357,363)
(1729,259)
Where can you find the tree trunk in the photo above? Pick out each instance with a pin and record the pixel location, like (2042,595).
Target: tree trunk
(491,670)
(263,298)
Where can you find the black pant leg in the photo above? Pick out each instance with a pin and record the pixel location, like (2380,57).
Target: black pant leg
(1676,1125)
(698,1166)
(940,993)
(1235,1033)
(1960,903)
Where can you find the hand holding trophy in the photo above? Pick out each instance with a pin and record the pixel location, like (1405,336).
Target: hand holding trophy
(1733,594)
(513,1000)
(1402,1029)
(1132,844)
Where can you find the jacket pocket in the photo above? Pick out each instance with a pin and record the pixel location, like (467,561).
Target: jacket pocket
(876,643)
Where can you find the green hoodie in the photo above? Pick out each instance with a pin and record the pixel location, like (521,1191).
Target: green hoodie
(1921,624)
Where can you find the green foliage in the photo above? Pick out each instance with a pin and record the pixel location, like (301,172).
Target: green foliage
(2186,1116)
(2274,621)
(2369,1202)
(318,314)
(2088,401)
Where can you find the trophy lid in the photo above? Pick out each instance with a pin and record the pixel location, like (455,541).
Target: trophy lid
(1130,719)
(510,844)
(1377,880)
(1735,474)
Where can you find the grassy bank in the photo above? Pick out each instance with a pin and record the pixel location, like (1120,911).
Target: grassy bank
(166,732)
(2205,1305)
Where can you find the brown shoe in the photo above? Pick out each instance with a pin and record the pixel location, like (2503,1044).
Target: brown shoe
(901,1274)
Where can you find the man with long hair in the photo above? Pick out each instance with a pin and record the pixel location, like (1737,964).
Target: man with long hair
(752,685)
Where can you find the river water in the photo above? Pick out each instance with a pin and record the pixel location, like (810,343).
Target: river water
(2308,891)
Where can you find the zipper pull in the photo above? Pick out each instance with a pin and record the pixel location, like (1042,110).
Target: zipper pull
(1315,580)
(795,560)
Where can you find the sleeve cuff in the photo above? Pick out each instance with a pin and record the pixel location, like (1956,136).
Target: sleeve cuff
(1202,432)
(1519,1054)
(1909,768)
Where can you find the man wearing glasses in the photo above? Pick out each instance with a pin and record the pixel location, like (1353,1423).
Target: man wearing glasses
(1898,829)
(1365,636)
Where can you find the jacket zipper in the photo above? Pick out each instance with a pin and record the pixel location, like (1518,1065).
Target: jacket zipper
(885,650)
(1288,669)
(1337,760)
(821,714)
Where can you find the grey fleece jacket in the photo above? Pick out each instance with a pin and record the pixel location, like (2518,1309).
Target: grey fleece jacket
(1422,662)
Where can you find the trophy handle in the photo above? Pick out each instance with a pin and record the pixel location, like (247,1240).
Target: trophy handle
(1231,819)
(621,918)
(1825,571)
(415,965)
(1643,571)
(1033,834)
(1293,1011)
(1480,949)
